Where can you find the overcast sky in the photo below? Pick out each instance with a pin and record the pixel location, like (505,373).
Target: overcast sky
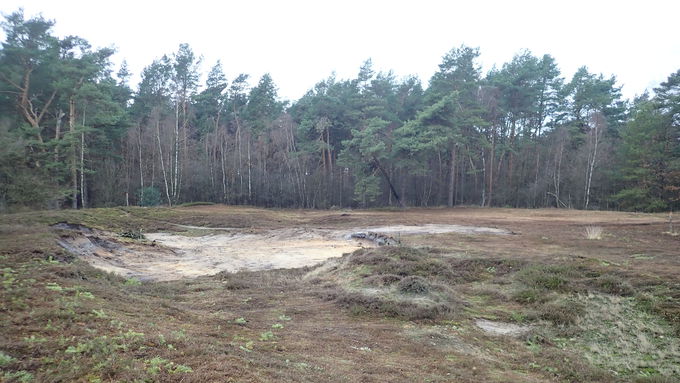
(303,42)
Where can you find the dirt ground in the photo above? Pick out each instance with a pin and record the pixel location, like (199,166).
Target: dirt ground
(63,320)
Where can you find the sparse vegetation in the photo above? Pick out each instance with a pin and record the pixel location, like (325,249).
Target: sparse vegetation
(586,307)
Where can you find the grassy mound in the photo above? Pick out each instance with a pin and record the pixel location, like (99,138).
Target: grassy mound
(405,282)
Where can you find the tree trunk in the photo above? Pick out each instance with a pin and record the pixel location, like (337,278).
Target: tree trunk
(57,134)
(250,185)
(160,154)
(591,166)
(175,178)
(83,200)
(492,159)
(389,182)
(74,169)
(141,168)
(452,175)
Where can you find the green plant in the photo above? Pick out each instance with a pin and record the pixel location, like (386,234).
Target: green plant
(5,359)
(548,277)
(132,282)
(99,313)
(54,287)
(158,364)
(132,233)
(18,376)
(85,294)
(267,335)
(180,368)
(155,365)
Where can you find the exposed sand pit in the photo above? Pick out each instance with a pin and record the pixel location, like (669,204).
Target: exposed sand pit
(176,256)
(275,249)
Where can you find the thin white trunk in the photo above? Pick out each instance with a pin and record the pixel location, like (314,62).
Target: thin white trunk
(175,178)
(57,134)
(593,158)
(160,152)
(74,171)
(250,190)
(83,200)
(83,197)
(223,153)
(141,168)
(558,173)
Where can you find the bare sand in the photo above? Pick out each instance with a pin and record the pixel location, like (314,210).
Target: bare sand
(174,256)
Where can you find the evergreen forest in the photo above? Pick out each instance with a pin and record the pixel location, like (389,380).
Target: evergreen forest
(75,133)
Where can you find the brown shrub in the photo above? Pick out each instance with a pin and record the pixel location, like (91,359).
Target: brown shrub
(413,285)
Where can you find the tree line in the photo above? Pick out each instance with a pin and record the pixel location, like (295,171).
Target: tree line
(74,134)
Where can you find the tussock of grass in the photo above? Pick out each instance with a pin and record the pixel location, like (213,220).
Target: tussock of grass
(546,277)
(562,312)
(614,285)
(594,232)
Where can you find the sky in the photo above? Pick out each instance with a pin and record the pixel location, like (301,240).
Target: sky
(303,42)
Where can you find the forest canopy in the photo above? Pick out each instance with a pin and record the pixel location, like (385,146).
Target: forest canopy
(74,133)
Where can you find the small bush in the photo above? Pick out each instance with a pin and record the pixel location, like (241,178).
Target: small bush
(612,284)
(360,304)
(561,312)
(545,277)
(5,359)
(413,285)
(149,196)
(132,234)
(528,296)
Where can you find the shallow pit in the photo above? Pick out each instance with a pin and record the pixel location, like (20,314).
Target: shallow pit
(171,256)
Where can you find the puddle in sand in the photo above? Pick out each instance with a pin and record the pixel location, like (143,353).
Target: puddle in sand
(185,256)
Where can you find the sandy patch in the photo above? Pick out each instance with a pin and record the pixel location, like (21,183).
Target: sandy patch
(175,256)
(501,328)
(274,249)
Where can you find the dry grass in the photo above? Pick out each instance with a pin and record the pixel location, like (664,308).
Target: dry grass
(594,232)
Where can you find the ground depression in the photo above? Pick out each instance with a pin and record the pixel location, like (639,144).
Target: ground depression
(171,256)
